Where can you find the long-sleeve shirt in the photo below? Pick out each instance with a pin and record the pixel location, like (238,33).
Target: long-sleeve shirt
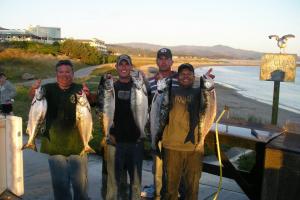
(7,92)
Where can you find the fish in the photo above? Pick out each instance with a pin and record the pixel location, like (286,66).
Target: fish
(208,115)
(36,118)
(159,113)
(202,109)
(106,108)
(139,101)
(84,121)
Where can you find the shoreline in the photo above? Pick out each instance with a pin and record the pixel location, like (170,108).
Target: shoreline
(246,109)
(243,109)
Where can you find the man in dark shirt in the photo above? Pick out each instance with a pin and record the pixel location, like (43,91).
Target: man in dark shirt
(125,141)
(63,142)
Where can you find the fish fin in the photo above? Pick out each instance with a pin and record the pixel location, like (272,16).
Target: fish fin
(29,146)
(190,138)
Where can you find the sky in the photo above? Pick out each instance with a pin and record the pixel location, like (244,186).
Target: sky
(242,24)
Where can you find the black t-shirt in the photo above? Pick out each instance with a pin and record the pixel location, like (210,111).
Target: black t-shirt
(61,121)
(125,130)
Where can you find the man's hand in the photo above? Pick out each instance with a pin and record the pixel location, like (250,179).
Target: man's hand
(85,89)
(208,79)
(209,74)
(34,86)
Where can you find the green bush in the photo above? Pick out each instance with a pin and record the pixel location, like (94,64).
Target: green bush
(246,162)
(74,49)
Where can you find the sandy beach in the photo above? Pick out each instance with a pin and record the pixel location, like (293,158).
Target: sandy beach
(246,109)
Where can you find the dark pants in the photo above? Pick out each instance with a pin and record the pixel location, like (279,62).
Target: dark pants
(6,108)
(130,156)
(186,165)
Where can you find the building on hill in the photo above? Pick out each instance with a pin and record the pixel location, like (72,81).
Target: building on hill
(98,44)
(49,34)
(17,35)
(37,34)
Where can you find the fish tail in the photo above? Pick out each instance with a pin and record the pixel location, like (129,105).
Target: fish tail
(190,138)
(29,146)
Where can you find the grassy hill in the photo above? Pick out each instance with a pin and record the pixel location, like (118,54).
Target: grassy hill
(16,62)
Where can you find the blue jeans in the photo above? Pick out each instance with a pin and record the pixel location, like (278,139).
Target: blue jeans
(67,170)
(130,156)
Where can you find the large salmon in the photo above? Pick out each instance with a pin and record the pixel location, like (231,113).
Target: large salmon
(36,117)
(84,121)
(106,100)
(139,101)
(210,109)
(159,111)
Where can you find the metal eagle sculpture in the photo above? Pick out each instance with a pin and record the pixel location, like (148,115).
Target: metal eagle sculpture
(282,41)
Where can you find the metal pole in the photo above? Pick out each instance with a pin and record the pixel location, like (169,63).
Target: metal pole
(275,102)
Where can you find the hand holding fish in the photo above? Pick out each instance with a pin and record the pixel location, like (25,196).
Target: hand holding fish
(85,89)
(209,74)
(34,86)
(208,80)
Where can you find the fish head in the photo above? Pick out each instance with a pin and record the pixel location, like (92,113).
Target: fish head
(109,84)
(106,83)
(162,84)
(81,98)
(39,93)
(137,78)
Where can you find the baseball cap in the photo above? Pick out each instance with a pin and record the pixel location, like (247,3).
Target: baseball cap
(124,57)
(186,66)
(164,52)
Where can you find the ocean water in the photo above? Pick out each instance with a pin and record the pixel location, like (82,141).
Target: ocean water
(246,81)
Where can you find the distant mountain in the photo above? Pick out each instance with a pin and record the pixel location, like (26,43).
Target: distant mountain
(217,51)
(3,28)
(132,50)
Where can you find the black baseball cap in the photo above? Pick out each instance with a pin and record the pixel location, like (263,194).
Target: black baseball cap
(186,66)
(124,57)
(2,74)
(164,52)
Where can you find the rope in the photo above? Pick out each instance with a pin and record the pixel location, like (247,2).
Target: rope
(226,108)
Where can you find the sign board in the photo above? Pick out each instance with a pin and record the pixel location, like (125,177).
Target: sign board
(278,67)
(11,155)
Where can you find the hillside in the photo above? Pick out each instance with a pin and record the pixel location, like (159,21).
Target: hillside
(216,52)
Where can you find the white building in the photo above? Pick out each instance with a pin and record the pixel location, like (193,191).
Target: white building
(17,35)
(98,44)
(50,34)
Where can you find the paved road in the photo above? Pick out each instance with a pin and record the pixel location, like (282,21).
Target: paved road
(37,179)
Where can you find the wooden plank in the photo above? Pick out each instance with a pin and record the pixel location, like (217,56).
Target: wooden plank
(282,172)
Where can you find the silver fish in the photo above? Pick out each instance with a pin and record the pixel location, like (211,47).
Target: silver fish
(106,99)
(159,111)
(139,101)
(36,117)
(209,114)
(84,122)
